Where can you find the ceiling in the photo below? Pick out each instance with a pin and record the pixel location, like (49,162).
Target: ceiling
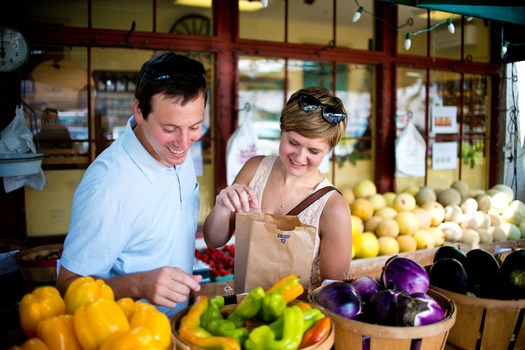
(510,11)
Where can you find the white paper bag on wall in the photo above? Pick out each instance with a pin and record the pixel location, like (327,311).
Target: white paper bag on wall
(410,152)
(241,146)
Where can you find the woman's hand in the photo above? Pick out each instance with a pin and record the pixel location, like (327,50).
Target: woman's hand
(238,198)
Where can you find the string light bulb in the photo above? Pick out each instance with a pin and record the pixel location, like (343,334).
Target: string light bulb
(357,14)
(469,18)
(504,49)
(408,41)
(450,26)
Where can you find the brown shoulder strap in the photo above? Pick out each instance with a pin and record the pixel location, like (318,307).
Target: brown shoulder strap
(310,199)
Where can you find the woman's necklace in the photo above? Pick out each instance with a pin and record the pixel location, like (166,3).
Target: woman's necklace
(283,204)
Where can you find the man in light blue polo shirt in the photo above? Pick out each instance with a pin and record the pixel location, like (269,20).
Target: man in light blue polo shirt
(134,214)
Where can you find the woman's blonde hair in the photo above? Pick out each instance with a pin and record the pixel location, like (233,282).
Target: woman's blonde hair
(311,124)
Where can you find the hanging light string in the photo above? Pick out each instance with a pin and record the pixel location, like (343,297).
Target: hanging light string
(408,35)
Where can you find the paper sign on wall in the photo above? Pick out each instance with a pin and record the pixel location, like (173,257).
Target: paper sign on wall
(444,120)
(444,155)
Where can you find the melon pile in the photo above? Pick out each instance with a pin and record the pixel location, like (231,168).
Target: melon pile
(421,218)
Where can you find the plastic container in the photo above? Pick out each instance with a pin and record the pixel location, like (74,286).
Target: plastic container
(325,344)
(39,265)
(18,164)
(356,335)
(486,324)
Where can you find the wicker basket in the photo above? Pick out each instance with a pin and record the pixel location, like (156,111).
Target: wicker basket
(356,335)
(38,271)
(488,324)
(180,344)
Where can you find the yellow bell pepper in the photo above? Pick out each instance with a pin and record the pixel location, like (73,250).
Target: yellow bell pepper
(193,317)
(137,338)
(95,322)
(58,333)
(148,316)
(84,290)
(203,339)
(31,344)
(43,303)
(289,287)
(128,306)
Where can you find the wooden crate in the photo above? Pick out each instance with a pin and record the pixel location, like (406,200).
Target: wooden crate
(357,335)
(374,266)
(486,324)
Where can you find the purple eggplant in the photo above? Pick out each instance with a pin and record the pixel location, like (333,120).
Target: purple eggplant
(405,275)
(382,308)
(340,298)
(366,286)
(418,309)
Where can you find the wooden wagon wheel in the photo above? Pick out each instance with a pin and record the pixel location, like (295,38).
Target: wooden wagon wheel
(192,24)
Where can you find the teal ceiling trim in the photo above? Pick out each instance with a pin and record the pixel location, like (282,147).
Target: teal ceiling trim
(504,11)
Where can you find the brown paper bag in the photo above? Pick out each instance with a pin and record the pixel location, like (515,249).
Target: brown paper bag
(270,247)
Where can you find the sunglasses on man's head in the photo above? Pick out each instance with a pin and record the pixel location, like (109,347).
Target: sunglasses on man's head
(308,103)
(168,69)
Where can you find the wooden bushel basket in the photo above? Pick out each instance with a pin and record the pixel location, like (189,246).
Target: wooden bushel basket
(486,324)
(35,271)
(351,334)
(180,344)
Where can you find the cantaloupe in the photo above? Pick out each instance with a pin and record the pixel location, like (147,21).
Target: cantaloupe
(484,203)
(449,196)
(388,228)
(377,200)
(462,187)
(425,221)
(371,224)
(408,222)
(424,239)
(469,205)
(404,202)
(509,192)
(362,208)
(425,195)
(437,212)
(386,212)
(364,188)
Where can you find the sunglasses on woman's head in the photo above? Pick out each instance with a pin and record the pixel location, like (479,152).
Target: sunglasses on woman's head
(308,103)
(168,69)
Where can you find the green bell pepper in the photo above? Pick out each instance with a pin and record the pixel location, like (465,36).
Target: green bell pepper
(212,311)
(310,316)
(263,338)
(228,329)
(248,307)
(273,305)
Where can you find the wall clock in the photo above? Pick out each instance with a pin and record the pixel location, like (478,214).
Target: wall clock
(14,50)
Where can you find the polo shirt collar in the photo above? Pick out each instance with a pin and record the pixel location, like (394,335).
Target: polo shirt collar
(151,168)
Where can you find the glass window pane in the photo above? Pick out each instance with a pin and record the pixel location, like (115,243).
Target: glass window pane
(359,34)
(310,23)
(59,12)
(476,104)
(410,106)
(477,40)
(121,14)
(55,89)
(354,153)
(261,96)
(445,39)
(264,24)
(412,20)
(180,18)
